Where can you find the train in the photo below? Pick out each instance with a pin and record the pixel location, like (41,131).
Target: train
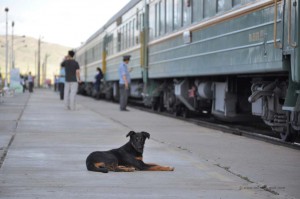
(232,59)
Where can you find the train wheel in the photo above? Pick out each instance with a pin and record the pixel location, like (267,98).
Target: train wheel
(155,104)
(289,135)
(176,111)
(160,105)
(109,94)
(160,108)
(185,113)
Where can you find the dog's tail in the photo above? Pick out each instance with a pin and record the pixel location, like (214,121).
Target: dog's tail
(92,167)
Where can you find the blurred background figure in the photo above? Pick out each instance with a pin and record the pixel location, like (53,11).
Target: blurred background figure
(97,83)
(30,82)
(23,82)
(61,82)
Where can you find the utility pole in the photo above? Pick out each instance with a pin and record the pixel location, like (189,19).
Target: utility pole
(12,45)
(39,62)
(45,67)
(6,52)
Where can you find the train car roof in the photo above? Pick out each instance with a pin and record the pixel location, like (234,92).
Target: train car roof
(113,19)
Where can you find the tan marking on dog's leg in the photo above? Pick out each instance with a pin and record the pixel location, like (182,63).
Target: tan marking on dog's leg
(139,158)
(160,168)
(99,164)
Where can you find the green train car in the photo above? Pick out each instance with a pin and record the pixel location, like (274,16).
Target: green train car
(233,59)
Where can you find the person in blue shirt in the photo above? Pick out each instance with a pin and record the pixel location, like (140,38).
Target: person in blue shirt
(124,82)
(61,82)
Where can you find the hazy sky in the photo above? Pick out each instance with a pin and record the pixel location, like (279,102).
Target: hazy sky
(65,22)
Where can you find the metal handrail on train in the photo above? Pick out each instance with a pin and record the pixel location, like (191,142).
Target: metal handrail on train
(275,26)
(291,43)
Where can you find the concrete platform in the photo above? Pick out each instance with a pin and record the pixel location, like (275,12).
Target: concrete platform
(49,145)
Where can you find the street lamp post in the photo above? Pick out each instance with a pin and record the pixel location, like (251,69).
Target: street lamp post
(12,44)
(6,51)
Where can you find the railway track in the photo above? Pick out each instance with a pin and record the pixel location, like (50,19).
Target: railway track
(256,130)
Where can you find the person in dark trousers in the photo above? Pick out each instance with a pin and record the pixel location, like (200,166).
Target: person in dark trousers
(124,82)
(30,82)
(97,84)
(61,83)
(23,83)
(72,78)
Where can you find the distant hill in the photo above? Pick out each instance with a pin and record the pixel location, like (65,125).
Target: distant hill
(26,57)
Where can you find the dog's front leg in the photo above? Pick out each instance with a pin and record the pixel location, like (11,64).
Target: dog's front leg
(155,167)
(152,167)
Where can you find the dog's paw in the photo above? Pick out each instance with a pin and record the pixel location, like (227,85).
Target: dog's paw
(171,168)
(130,169)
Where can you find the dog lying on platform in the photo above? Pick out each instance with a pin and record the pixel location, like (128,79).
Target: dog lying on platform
(127,158)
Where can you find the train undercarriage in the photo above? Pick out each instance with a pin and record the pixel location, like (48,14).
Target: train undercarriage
(231,99)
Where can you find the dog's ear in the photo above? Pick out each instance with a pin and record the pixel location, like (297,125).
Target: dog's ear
(145,134)
(130,133)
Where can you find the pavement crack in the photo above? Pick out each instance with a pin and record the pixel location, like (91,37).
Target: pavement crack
(257,185)
(172,145)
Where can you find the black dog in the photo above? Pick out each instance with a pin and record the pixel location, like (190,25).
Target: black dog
(126,158)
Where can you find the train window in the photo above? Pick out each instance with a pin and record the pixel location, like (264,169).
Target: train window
(221,5)
(209,8)
(93,54)
(126,37)
(141,22)
(162,16)
(177,14)
(169,15)
(89,56)
(129,34)
(122,37)
(152,22)
(99,50)
(236,2)
(187,12)
(137,21)
(119,21)
(197,10)
(119,41)
(133,32)
(156,19)
(109,44)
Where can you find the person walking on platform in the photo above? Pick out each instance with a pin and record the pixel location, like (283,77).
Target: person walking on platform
(61,83)
(30,82)
(23,83)
(72,78)
(124,82)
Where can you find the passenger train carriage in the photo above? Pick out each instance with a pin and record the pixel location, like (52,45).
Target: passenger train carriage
(234,59)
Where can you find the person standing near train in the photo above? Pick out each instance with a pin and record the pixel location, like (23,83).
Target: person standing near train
(30,82)
(124,82)
(97,83)
(72,78)
(61,82)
